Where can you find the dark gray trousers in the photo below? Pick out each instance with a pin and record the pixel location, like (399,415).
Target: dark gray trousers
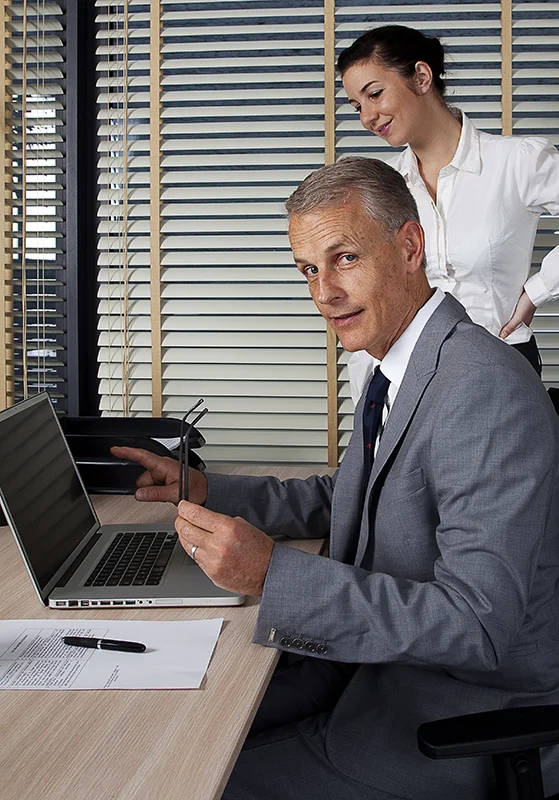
(284,756)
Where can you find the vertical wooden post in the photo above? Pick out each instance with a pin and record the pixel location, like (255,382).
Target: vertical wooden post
(23,191)
(155,206)
(330,157)
(6,281)
(506,67)
(125,316)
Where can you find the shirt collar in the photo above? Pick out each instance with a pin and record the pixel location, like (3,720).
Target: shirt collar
(466,157)
(395,362)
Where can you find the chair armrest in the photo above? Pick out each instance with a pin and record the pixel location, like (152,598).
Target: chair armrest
(491,732)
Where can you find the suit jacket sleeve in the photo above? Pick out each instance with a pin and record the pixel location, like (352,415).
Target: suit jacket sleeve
(294,508)
(490,477)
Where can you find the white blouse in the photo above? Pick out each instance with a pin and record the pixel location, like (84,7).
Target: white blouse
(480,233)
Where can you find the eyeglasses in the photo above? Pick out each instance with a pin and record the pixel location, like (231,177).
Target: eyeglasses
(184,434)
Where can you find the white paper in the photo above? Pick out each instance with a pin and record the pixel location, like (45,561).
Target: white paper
(170,444)
(33,655)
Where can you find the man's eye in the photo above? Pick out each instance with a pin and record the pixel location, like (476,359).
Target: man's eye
(348,258)
(310,271)
(357,109)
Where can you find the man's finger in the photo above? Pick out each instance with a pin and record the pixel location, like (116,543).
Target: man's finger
(145,479)
(187,530)
(161,494)
(202,517)
(144,457)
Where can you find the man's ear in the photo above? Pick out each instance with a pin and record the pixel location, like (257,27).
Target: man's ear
(412,239)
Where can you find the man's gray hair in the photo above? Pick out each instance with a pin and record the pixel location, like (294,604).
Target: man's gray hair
(382,191)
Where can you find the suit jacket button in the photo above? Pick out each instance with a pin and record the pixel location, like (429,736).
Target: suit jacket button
(298,643)
(322,649)
(285,641)
(310,646)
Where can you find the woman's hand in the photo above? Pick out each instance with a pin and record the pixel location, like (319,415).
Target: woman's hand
(523,313)
(160,482)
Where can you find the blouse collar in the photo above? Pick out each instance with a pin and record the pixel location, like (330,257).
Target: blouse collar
(467,156)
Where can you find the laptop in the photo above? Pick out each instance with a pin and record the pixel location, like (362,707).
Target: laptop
(73,561)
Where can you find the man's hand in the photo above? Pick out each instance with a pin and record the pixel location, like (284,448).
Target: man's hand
(231,551)
(161,480)
(523,313)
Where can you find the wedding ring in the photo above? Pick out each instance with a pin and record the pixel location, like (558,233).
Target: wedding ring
(193,552)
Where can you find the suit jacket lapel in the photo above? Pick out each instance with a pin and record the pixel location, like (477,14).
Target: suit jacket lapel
(419,373)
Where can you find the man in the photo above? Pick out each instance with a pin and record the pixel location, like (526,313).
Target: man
(439,594)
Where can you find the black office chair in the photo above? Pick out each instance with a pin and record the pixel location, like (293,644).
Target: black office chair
(554,397)
(511,736)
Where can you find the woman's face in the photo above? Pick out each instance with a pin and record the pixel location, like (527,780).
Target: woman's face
(388,104)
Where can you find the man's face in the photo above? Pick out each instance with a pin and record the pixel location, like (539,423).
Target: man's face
(360,280)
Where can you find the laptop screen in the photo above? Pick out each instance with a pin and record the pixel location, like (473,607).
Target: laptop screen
(40,487)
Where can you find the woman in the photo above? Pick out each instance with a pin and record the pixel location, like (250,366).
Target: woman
(479,196)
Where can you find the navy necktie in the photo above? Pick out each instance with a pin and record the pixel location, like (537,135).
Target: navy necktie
(372,416)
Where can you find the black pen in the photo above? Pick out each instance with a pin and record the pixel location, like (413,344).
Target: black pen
(105,644)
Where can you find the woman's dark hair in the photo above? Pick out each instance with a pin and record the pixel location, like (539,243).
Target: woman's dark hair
(399,48)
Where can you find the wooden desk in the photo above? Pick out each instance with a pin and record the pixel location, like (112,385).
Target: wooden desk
(130,745)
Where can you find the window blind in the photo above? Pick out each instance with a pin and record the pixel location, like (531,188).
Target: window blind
(242,123)
(34,257)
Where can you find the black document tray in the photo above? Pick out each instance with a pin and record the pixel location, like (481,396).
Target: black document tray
(90,440)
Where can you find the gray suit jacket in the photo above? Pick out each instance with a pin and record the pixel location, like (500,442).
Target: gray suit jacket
(460,522)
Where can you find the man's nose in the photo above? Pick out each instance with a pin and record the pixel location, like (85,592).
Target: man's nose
(327,290)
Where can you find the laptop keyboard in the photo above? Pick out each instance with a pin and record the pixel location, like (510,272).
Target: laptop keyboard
(134,559)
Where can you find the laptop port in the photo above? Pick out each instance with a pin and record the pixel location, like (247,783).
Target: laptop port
(84,602)
(61,603)
(104,603)
(118,603)
(129,602)
(72,603)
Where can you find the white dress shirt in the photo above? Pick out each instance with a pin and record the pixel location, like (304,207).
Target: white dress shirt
(394,364)
(480,233)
